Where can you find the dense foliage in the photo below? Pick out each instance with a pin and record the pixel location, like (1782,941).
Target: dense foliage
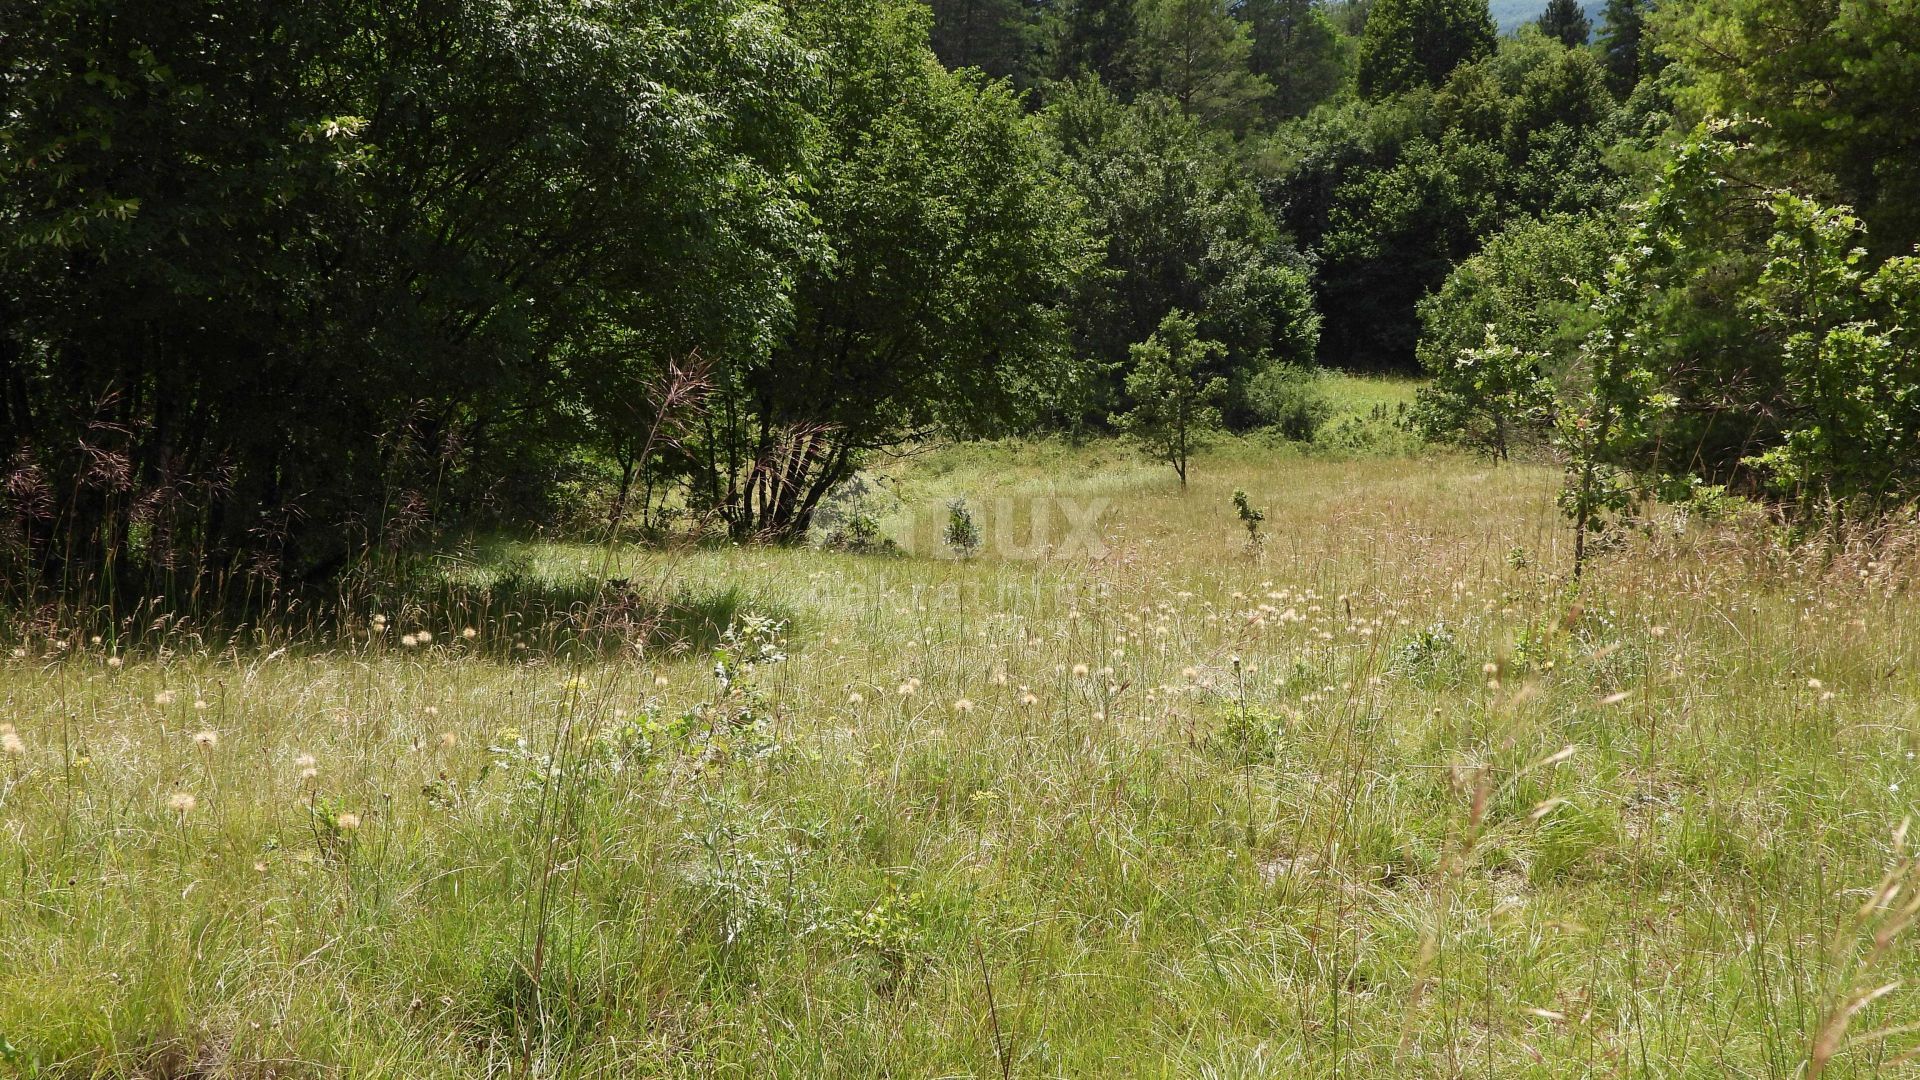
(266,281)
(951,245)
(284,286)
(1183,229)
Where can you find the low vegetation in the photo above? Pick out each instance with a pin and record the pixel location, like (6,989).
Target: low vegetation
(958,538)
(1120,794)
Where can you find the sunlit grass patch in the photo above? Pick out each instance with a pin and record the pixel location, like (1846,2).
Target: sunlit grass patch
(1378,795)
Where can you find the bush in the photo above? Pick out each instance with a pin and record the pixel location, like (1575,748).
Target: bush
(1288,399)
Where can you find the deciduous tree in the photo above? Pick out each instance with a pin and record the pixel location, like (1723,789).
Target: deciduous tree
(1175,401)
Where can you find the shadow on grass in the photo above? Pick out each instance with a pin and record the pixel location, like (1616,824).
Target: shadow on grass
(486,603)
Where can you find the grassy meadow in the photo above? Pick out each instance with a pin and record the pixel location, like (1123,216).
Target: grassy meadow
(1123,794)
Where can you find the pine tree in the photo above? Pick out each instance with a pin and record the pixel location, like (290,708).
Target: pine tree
(1620,32)
(1563,19)
(995,36)
(1411,43)
(1199,55)
(1096,38)
(1295,48)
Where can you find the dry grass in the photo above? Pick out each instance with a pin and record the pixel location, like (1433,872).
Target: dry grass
(1174,806)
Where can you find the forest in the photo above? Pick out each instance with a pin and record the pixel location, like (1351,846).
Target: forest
(1675,247)
(959,538)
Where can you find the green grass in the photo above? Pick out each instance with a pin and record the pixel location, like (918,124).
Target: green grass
(1207,810)
(1360,395)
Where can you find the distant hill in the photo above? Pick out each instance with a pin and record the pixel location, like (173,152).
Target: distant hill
(1510,15)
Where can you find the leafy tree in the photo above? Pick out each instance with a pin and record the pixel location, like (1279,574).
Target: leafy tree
(1413,43)
(1198,54)
(1564,20)
(1181,228)
(1298,51)
(1491,396)
(1288,399)
(939,304)
(1835,83)
(1391,194)
(1503,325)
(1175,401)
(1747,338)
(1849,337)
(1622,30)
(221,215)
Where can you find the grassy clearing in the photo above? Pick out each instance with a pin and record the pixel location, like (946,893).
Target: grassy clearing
(1359,395)
(1157,804)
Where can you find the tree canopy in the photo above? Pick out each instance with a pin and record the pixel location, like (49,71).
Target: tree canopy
(485,236)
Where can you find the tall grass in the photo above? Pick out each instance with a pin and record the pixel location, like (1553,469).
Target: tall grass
(1379,796)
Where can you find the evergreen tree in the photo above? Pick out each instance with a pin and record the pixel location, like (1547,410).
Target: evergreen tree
(1095,38)
(1412,43)
(1297,50)
(996,36)
(1200,56)
(1563,19)
(1620,32)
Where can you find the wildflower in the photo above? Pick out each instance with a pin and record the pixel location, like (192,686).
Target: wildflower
(855,698)
(304,761)
(1815,684)
(206,740)
(1029,698)
(469,633)
(346,822)
(424,637)
(963,706)
(409,640)
(1079,671)
(10,742)
(907,689)
(448,739)
(182,803)
(113,661)
(1189,674)
(660,681)
(200,704)
(163,698)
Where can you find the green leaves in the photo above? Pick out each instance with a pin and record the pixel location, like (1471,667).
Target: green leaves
(1196,53)
(439,220)
(1176,404)
(1182,228)
(1408,44)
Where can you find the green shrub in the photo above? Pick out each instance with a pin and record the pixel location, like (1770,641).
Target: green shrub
(1289,399)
